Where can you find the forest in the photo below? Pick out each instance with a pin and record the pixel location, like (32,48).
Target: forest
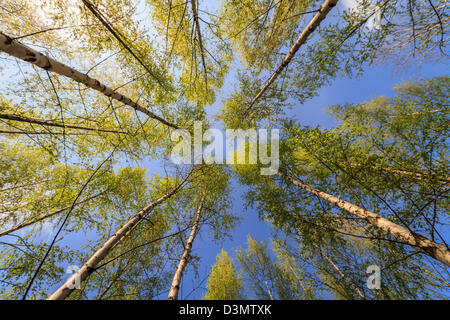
(224,150)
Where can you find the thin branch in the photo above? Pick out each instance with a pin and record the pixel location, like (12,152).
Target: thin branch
(312,25)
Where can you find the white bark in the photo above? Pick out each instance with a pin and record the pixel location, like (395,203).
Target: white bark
(66,289)
(25,53)
(175,287)
(418,241)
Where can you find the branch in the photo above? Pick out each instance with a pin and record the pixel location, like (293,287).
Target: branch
(312,25)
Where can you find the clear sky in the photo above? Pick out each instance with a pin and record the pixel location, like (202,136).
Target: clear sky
(375,81)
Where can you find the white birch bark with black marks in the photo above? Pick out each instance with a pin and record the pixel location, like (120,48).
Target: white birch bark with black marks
(175,287)
(425,245)
(66,289)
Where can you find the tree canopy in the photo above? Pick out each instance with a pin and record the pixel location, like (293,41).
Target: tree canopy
(92,205)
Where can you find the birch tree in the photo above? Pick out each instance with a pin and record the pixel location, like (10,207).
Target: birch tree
(174,288)
(224,283)
(65,290)
(380,136)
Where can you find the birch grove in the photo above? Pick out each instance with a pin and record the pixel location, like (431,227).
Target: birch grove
(115,117)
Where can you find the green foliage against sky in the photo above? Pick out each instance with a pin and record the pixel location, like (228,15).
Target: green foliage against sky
(77,164)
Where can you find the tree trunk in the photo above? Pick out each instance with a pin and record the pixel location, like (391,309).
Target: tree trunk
(418,241)
(350,282)
(442,179)
(312,25)
(26,224)
(199,38)
(175,287)
(66,289)
(25,53)
(52,124)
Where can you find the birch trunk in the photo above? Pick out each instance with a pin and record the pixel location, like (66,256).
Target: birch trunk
(312,25)
(175,287)
(66,289)
(442,179)
(418,241)
(52,124)
(25,53)
(350,282)
(26,224)
(199,38)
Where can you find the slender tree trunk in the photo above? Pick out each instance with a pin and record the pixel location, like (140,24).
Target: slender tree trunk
(350,282)
(199,38)
(295,275)
(312,25)
(52,124)
(442,179)
(118,37)
(175,287)
(66,289)
(268,289)
(26,224)
(25,53)
(418,241)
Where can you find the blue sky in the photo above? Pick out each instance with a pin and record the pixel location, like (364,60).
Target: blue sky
(375,81)
(378,80)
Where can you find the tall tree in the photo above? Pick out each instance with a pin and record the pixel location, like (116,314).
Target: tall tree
(224,283)
(269,277)
(89,267)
